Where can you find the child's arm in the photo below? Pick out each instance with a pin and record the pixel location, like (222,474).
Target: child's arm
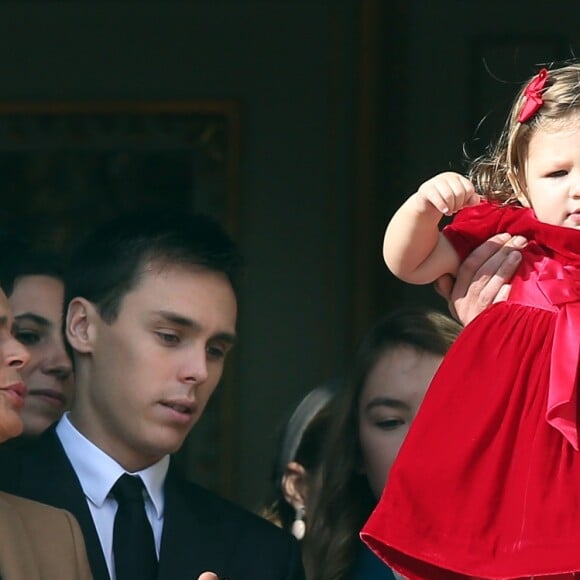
(414,249)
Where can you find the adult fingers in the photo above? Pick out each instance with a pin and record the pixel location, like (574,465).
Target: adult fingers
(484,276)
(486,261)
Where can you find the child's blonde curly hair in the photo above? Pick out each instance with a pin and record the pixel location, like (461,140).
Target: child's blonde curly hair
(500,174)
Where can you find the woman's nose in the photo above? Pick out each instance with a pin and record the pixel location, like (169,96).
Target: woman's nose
(58,363)
(15,354)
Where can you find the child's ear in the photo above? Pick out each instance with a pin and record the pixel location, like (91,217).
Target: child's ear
(520,195)
(80,327)
(523,199)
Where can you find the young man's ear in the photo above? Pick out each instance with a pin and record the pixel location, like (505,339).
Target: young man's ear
(80,325)
(295,485)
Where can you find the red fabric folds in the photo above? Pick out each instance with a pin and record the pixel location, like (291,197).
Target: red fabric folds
(561,286)
(487,481)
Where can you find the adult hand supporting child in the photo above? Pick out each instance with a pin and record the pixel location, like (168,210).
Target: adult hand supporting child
(483,278)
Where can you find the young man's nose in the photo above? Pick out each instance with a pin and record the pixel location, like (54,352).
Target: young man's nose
(195,370)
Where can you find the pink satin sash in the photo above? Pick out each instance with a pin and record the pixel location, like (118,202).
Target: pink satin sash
(561,286)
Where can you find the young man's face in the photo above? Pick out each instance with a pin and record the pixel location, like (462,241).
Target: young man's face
(150,373)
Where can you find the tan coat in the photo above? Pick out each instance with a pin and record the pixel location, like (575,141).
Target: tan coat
(38,542)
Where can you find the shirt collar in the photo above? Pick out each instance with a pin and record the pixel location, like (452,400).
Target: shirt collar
(98,472)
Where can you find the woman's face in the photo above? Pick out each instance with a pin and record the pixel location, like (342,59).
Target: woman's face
(13,356)
(36,302)
(389,401)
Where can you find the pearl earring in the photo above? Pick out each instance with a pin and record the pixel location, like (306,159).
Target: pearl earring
(298,525)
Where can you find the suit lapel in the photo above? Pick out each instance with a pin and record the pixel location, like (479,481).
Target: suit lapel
(48,476)
(191,542)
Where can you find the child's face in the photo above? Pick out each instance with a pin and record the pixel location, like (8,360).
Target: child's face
(553,174)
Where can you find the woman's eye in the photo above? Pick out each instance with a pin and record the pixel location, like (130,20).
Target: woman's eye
(389,424)
(215,352)
(26,337)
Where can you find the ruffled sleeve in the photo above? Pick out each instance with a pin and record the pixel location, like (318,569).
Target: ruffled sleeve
(472,225)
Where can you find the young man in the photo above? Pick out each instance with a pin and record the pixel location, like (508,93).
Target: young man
(151,318)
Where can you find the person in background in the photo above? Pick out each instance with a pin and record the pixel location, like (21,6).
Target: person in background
(371,415)
(298,459)
(35,289)
(37,542)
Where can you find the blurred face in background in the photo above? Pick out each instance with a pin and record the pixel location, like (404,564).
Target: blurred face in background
(389,402)
(13,357)
(37,304)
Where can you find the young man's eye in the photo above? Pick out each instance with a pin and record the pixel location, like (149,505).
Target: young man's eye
(168,338)
(26,337)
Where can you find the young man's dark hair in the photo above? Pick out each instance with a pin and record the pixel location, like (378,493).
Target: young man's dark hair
(111,259)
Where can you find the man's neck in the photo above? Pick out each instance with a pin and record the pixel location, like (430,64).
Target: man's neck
(126,457)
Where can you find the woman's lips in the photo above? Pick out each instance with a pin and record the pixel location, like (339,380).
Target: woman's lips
(16,393)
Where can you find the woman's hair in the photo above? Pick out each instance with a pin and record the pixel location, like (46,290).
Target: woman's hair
(346,500)
(300,441)
(500,174)
(19,259)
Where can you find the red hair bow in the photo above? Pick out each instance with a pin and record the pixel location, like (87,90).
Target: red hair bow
(533,96)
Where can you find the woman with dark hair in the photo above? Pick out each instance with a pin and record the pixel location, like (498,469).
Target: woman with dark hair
(298,459)
(33,283)
(370,419)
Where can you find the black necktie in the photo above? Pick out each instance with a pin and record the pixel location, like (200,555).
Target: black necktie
(133,542)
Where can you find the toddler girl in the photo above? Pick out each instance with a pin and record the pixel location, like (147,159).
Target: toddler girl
(487,483)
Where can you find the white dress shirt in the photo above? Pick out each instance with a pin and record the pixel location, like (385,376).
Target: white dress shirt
(97,473)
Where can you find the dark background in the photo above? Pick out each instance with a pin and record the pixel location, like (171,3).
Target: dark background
(345,106)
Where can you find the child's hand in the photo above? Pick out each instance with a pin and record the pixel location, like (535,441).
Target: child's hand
(448,192)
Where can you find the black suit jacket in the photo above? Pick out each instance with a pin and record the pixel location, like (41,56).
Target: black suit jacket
(201,531)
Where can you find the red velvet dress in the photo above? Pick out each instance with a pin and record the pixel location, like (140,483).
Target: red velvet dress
(487,482)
